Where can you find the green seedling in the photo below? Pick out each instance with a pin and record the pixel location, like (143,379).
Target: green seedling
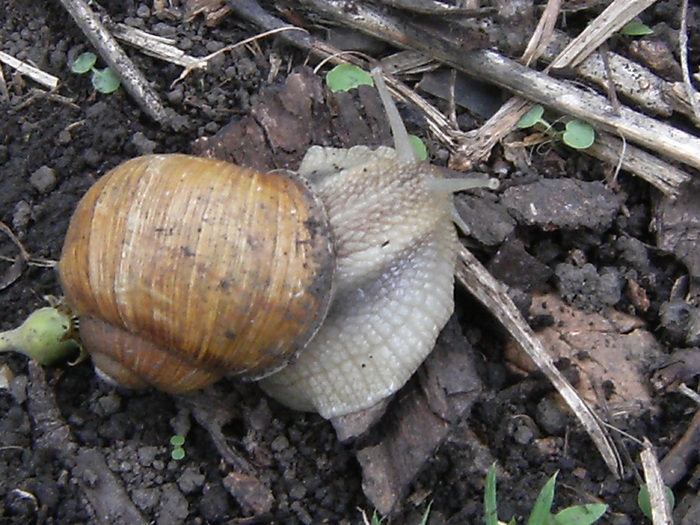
(103,80)
(576,134)
(490,504)
(178,452)
(541,513)
(644,502)
(345,77)
(48,336)
(636,29)
(419,147)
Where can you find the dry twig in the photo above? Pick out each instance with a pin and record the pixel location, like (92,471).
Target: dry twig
(610,21)
(675,465)
(475,278)
(32,72)
(103,490)
(660,508)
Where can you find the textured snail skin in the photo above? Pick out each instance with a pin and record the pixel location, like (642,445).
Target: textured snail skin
(393,287)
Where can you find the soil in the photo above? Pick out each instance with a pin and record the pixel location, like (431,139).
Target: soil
(73,448)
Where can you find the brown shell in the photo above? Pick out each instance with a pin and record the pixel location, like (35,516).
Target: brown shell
(226,268)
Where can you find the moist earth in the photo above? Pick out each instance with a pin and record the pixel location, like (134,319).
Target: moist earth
(68,439)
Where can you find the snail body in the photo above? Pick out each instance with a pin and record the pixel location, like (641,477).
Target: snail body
(330,285)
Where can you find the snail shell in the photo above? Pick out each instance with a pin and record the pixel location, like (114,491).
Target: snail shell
(185,269)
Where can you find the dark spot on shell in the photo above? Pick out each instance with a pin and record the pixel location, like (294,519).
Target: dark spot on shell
(230,335)
(189,252)
(253,242)
(385,243)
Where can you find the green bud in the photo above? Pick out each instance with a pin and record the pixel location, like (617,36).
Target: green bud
(47,336)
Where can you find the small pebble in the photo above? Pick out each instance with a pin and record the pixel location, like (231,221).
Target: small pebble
(279,444)
(44,179)
(147,455)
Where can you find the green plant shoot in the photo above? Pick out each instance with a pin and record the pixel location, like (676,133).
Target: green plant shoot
(644,502)
(345,77)
(47,336)
(84,63)
(532,118)
(490,505)
(636,29)
(178,451)
(419,147)
(103,80)
(578,135)
(543,505)
(542,510)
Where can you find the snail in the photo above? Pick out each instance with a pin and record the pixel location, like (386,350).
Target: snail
(329,285)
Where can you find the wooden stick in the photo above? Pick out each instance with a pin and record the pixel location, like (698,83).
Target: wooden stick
(109,49)
(155,46)
(610,21)
(660,508)
(32,72)
(586,106)
(475,278)
(631,79)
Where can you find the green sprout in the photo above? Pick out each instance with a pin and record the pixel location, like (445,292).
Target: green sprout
(636,29)
(48,336)
(577,135)
(644,502)
(345,77)
(103,80)
(541,513)
(178,452)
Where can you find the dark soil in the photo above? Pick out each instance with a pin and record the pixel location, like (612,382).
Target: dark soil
(53,146)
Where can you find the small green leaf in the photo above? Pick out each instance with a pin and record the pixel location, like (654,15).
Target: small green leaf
(418,147)
(376,520)
(578,135)
(490,505)
(84,63)
(542,510)
(636,29)
(532,117)
(580,514)
(177,453)
(105,80)
(345,77)
(177,441)
(426,515)
(644,502)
